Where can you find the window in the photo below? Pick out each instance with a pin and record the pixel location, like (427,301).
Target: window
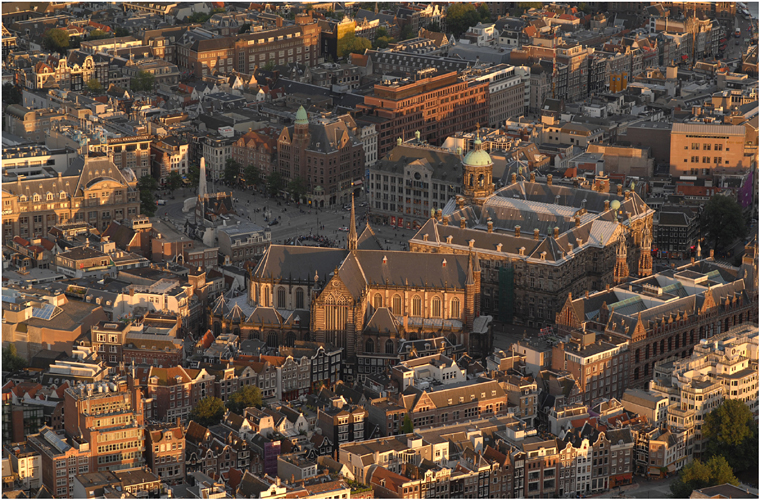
(369,346)
(377,301)
(416,306)
(299,298)
(455,308)
(397,305)
(436,307)
(389,346)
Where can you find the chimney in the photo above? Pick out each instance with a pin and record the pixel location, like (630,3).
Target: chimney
(535,234)
(606,205)
(514,178)
(460,202)
(549,180)
(489,223)
(692,260)
(619,189)
(532,177)
(712,254)
(439,214)
(586,293)
(498,247)
(627,194)
(446,221)
(556,232)
(517,231)
(424,237)
(462,223)
(577,221)
(471,243)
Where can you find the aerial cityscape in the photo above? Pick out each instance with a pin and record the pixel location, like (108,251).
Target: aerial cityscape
(336,250)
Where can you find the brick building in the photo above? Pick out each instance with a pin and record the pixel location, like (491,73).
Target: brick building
(437,104)
(257,148)
(171,392)
(169,155)
(666,315)
(165,451)
(156,350)
(706,150)
(97,195)
(110,417)
(62,459)
(131,152)
(325,155)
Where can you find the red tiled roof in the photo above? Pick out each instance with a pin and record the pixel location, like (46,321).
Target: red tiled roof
(359,60)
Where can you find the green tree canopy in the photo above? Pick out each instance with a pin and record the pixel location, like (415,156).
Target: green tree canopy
(484,12)
(461,16)
(147,186)
(248,396)
(406,32)
(731,432)
(174,180)
(381,32)
(94,86)
(252,175)
(194,175)
(297,188)
(434,26)
(143,81)
(275,183)
(352,44)
(382,42)
(97,35)
(198,18)
(11,360)
(11,94)
(244,28)
(119,31)
(56,40)
(208,411)
(723,219)
(231,171)
(699,474)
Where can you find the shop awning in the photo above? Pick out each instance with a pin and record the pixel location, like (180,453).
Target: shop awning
(654,471)
(684,57)
(671,468)
(623,477)
(723,40)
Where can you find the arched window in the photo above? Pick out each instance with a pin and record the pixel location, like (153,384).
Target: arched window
(397,305)
(636,374)
(265,296)
(281,298)
(369,346)
(638,355)
(455,308)
(453,339)
(481,178)
(272,339)
(299,298)
(436,307)
(413,336)
(416,306)
(389,346)
(290,339)
(377,301)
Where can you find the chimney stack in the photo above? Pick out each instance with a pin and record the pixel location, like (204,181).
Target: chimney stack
(490,225)
(606,205)
(535,234)
(556,232)
(532,177)
(577,221)
(549,180)
(446,221)
(513,178)
(517,231)
(462,223)
(619,189)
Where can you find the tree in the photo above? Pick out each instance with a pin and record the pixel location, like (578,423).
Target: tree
(198,18)
(11,94)
(434,26)
(98,35)
(231,171)
(269,66)
(275,183)
(297,188)
(174,180)
(723,220)
(381,32)
(244,28)
(194,175)
(383,42)
(406,32)
(11,360)
(530,5)
(246,397)
(56,40)
(94,86)
(119,31)
(252,175)
(143,81)
(484,12)
(730,431)
(208,411)
(699,474)
(460,17)
(352,44)
(147,186)
(407,426)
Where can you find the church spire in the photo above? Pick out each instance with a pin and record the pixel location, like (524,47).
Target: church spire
(645,259)
(621,264)
(202,190)
(352,240)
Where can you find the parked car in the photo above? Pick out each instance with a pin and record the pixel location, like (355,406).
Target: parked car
(344,229)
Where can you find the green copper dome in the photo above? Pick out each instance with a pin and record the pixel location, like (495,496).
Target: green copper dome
(478,157)
(301,117)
